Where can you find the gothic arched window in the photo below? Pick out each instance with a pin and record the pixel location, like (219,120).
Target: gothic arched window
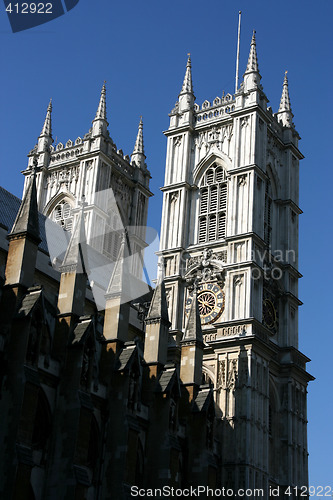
(213,205)
(62,215)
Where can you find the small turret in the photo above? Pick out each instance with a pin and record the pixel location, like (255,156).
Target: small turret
(252,76)
(138,156)
(100,124)
(285,115)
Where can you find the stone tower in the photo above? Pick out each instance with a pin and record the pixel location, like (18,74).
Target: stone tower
(230,236)
(89,167)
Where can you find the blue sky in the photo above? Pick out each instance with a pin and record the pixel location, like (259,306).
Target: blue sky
(140,49)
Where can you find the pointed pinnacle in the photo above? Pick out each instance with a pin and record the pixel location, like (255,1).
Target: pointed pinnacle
(138,147)
(193,329)
(285,99)
(187,87)
(158,307)
(76,257)
(120,282)
(101,110)
(47,127)
(26,222)
(252,63)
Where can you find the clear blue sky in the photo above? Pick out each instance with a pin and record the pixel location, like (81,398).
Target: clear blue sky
(140,49)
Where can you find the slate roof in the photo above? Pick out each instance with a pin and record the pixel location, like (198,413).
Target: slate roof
(29,301)
(81,329)
(126,357)
(202,400)
(166,380)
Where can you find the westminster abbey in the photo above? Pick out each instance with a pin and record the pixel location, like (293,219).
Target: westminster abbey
(108,384)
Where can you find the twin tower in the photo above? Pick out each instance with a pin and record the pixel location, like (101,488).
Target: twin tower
(229,243)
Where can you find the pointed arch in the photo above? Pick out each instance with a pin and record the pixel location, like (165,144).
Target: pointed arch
(59,209)
(58,198)
(211,177)
(214,157)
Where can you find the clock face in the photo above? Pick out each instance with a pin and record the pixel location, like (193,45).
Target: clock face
(269,315)
(210,301)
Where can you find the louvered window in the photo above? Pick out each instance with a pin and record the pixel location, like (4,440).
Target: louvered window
(267,216)
(213,206)
(62,214)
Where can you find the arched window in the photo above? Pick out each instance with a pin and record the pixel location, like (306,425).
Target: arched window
(62,215)
(213,205)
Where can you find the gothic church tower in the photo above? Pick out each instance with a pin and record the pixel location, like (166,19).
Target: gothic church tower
(230,236)
(89,167)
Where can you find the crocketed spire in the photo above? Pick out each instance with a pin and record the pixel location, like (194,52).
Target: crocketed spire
(187,87)
(138,147)
(101,110)
(47,127)
(285,100)
(252,63)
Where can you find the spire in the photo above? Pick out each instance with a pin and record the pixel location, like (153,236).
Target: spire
(285,115)
(119,282)
(47,127)
(193,331)
(187,87)
(158,307)
(138,155)
(285,100)
(76,257)
(252,63)
(100,124)
(26,222)
(101,110)
(252,76)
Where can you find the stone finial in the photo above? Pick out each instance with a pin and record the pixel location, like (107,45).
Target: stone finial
(187,87)
(252,63)
(47,127)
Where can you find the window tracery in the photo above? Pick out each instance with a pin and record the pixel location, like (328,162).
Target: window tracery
(62,215)
(213,205)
